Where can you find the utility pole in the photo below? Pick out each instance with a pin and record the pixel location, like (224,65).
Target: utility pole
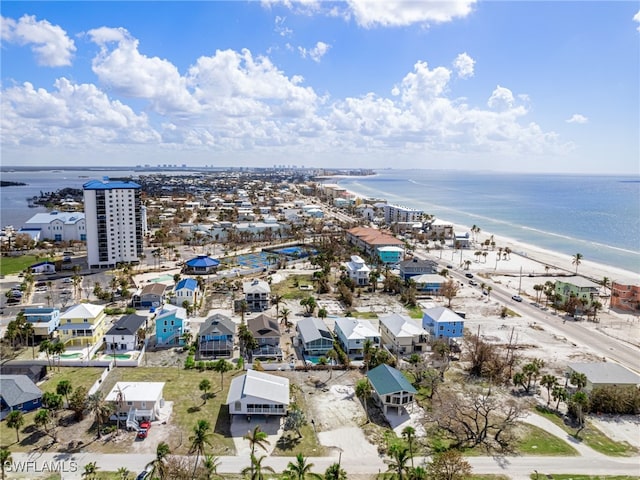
(520,281)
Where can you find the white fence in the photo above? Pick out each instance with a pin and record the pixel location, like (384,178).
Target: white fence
(94,388)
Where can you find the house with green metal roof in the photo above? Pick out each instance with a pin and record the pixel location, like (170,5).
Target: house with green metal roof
(391,388)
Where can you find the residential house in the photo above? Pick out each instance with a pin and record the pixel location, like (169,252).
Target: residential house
(314,336)
(358,270)
(584,290)
(429,283)
(442,323)
(266,332)
(462,241)
(440,229)
(257,294)
(18,392)
(370,240)
(24,367)
(124,336)
(366,211)
(402,334)
(201,265)
(258,393)
(83,325)
(171,324)
(390,255)
(45,320)
(391,388)
(139,400)
(216,337)
(186,290)
(151,296)
(352,334)
(625,297)
(601,374)
(415,266)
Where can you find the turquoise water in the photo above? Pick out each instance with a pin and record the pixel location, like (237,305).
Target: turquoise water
(69,356)
(597,216)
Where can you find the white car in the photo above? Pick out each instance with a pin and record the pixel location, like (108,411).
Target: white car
(517,298)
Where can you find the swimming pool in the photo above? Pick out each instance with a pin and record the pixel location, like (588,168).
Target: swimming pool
(71,356)
(316,359)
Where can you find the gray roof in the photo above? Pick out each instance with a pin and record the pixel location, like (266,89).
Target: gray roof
(442,314)
(18,389)
(263,326)
(127,325)
(256,286)
(356,328)
(218,323)
(579,281)
(608,373)
(154,289)
(259,385)
(313,328)
(386,380)
(401,326)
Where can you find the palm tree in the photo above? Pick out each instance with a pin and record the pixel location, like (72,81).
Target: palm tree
(367,351)
(211,464)
(409,433)
(90,470)
(256,470)
(363,391)
(205,386)
(222,366)
(64,388)
(200,438)
(335,472)
(300,470)
(257,438)
(15,419)
(577,260)
(124,473)
(5,459)
(549,382)
(100,408)
(284,315)
(398,464)
(158,466)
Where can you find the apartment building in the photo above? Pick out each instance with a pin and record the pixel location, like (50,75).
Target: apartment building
(114,223)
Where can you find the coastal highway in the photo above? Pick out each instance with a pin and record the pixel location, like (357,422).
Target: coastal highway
(602,345)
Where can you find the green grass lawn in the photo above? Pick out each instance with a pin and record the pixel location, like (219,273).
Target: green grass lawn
(536,441)
(289,289)
(592,437)
(78,376)
(365,315)
(11,265)
(415,312)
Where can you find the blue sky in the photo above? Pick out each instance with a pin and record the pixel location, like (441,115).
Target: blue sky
(456,84)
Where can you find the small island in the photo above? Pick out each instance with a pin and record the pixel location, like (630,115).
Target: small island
(5,183)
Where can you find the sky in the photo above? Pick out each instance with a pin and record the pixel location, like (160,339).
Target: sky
(542,86)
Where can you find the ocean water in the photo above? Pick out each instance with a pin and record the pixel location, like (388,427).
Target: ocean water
(597,216)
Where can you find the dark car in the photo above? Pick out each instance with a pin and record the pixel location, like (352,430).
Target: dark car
(468,275)
(473,283)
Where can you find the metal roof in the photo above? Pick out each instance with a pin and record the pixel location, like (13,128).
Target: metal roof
(188,283)
(608,373)
(109,185)
(202,261)
(218,323)
(401,326)
(386,380)
(313,328)
(259,385)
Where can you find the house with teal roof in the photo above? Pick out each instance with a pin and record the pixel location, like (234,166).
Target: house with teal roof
(391,389)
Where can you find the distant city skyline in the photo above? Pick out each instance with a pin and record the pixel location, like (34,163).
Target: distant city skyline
(460,84)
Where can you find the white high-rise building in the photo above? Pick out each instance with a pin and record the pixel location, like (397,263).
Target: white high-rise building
(114,223)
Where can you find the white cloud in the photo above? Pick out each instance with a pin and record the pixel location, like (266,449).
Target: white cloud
(316,53)
(636,18)
(501,99)
(50,43)
(395,13)
(463,64)
(280,28)
(577,118)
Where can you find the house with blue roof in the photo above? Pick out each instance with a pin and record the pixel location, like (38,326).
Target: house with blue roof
(391,388)
(443,323)
(201,265)
(45,320)
(187,290)
(171,324)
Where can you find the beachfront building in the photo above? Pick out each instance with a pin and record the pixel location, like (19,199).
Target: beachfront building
(186,290)
(601,374)
(314,336)
(625,296)
(358,270)
(402,334)
(583,290)
(151,296)
(201,265)
(352,333)
(440,229)
(83,325)
(442,323)
(369,240)
(171,324)
(257,294)
(415,266)
(390,255)
(216,336)
(45,320)
(125,334)
(401,214)
(56,226)
(258,393)
(391,388)
(114,222)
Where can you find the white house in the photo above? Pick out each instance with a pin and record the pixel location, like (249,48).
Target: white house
(358,270)
(258,393)
(187,290)
(57,226)
(402,334)
(257,294)
(43,267)
(139,400)
(353,332)
(123,335)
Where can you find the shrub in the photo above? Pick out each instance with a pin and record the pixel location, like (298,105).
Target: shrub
(189,363)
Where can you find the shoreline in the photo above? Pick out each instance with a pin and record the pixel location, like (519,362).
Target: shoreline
(540,256)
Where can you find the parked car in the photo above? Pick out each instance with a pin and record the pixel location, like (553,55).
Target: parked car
(67,280)
(473,283)
(517,298)
(143,431)
(468,275)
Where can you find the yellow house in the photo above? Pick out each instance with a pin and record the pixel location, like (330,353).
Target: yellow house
(82,325)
